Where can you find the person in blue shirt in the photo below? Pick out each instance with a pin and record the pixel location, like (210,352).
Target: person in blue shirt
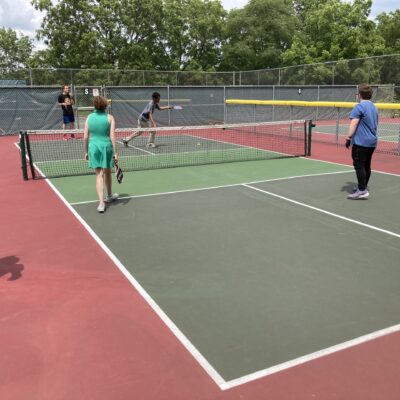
(363,139)
(146,120)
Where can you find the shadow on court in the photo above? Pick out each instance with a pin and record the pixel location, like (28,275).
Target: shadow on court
(11,265)
(123,200)
(348,187)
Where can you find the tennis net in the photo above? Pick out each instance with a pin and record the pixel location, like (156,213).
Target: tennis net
(50,155)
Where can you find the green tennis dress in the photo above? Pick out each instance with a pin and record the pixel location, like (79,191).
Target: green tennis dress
(101,151)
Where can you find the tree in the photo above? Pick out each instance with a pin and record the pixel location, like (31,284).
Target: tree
(192,31)
(80,32)
(334,30)
(15,50)
(133,34)
(258,34)
(303,7)
(389,29)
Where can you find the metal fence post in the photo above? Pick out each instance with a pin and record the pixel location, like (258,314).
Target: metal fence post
(225,110)
(168,103)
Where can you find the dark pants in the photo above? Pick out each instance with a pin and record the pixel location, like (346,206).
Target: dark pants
(362,164)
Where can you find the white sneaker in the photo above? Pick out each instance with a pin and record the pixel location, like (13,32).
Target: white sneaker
(151,145)
(358,195)
(101,208)
(111,198)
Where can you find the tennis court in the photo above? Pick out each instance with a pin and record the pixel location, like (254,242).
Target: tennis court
(388,131)
(254,279)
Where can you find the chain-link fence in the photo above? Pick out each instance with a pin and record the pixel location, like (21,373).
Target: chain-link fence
(331,119)
(374,70)
(35,108)
(22,107)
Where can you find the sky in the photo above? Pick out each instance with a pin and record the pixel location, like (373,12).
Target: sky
(22,17)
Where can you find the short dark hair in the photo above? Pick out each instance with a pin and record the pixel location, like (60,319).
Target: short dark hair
(155,95)
(64,86)
(100,103)
(365,91)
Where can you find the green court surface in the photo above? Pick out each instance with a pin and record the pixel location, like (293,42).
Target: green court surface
(81,188)
(255,264)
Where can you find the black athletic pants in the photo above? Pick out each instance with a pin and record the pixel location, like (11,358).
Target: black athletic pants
(362,164)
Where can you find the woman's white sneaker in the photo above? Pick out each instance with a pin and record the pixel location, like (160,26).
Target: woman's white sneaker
(358,195)
(111,198)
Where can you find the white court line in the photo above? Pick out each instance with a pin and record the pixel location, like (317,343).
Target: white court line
(241,146)
(309,357)
(137,148)
(223,385)
(346,165)
(216,187)
(214,375)
(304,158)
(324,211)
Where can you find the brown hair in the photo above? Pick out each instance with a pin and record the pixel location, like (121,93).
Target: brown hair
(365,91)
(100,103)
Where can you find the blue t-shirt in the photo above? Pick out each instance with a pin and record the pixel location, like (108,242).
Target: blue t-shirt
(366,132)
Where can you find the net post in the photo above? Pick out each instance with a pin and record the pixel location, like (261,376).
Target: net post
(337,124)
(311,125)
(398,145)
(23,155)
(29,153)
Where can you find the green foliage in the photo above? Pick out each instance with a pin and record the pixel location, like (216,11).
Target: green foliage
(199,35)
(15,50)
(257,35)
(389,29)
(132,34)
(335,30)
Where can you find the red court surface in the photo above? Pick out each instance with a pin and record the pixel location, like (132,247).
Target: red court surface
(339,154)
(73,328)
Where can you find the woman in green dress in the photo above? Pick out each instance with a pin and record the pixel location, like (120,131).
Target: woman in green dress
(101,148)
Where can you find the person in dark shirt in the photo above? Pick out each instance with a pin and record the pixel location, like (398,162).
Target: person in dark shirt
(66,101)
(146,120)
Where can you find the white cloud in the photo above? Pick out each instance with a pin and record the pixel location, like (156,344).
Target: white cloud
(20,15)
(387,6)
(229,4)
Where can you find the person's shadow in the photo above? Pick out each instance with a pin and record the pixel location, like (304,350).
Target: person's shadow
(349,187)
(10,265)
(123,199)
